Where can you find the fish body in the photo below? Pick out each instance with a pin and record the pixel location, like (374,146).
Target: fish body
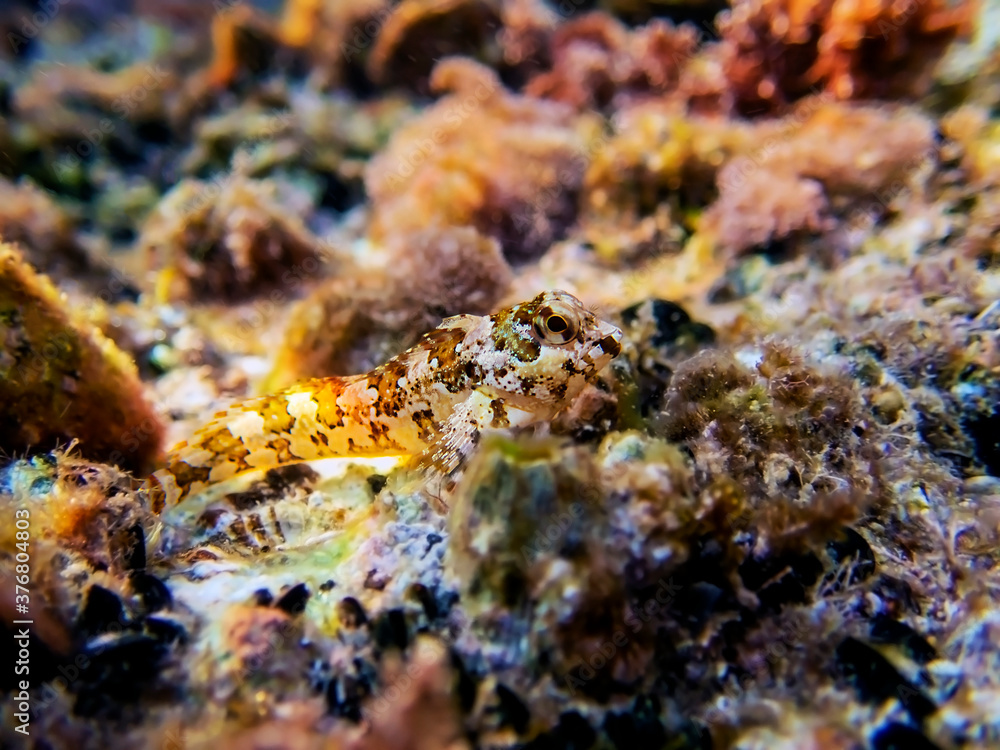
(517,367)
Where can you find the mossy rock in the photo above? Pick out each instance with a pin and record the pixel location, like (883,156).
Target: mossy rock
(61,380)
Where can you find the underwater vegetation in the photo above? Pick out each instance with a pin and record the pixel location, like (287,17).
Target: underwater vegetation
(761,509)
(62,379)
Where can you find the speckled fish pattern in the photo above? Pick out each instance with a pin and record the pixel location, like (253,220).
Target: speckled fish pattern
(517,367)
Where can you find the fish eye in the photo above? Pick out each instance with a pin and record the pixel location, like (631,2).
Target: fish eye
(555,326)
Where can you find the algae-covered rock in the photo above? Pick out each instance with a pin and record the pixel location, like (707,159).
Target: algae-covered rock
(61,380)
(227,240)
(45,232)
(773,521)
(528,532)
(597,60)
(550,546)
(354,322)
(511,166)
(417,34)
(100,626)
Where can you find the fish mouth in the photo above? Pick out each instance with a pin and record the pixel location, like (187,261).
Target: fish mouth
(609,345)
(612,344)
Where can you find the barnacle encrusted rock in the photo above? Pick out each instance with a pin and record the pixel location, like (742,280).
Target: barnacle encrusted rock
(100,629)
(62,380)
(526,527)
(794,436)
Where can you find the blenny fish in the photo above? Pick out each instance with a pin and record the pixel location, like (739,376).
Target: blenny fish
(517,367)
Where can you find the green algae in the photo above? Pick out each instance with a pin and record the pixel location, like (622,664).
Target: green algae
(62,381)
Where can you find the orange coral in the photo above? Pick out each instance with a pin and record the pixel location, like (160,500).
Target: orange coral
(886,48)
(336,37)
(978,136)
(238,33)
(298,23)
(769,47)
(776,51)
